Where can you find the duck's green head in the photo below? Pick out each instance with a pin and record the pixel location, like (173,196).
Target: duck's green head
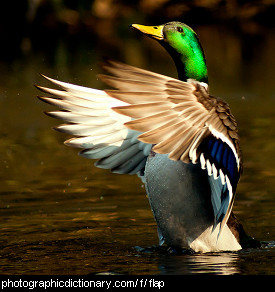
(183,45)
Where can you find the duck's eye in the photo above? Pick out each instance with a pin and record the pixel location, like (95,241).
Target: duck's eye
(179,29)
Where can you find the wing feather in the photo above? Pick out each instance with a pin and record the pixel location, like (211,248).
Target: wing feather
(99,131)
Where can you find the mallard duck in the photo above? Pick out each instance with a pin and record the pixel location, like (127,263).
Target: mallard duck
(182,141)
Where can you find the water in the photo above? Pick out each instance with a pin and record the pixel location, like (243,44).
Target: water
(61,215)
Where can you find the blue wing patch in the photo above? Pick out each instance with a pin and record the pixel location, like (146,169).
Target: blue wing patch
(219,157)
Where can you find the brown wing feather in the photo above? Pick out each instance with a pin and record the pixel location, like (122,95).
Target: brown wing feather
(171,113)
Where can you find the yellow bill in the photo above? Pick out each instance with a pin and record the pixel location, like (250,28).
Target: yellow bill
(152,31)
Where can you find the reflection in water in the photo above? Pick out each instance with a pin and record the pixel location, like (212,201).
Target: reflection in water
(59,214)
(220,263)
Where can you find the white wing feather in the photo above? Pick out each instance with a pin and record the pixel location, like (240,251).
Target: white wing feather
(100,132)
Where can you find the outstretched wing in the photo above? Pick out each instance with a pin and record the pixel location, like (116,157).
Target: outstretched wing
(99,131)
(182,119)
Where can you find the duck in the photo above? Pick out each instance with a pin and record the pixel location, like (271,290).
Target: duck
(179,139)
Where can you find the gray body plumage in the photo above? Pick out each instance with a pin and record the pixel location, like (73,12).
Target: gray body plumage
(180,198)
(175,198)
